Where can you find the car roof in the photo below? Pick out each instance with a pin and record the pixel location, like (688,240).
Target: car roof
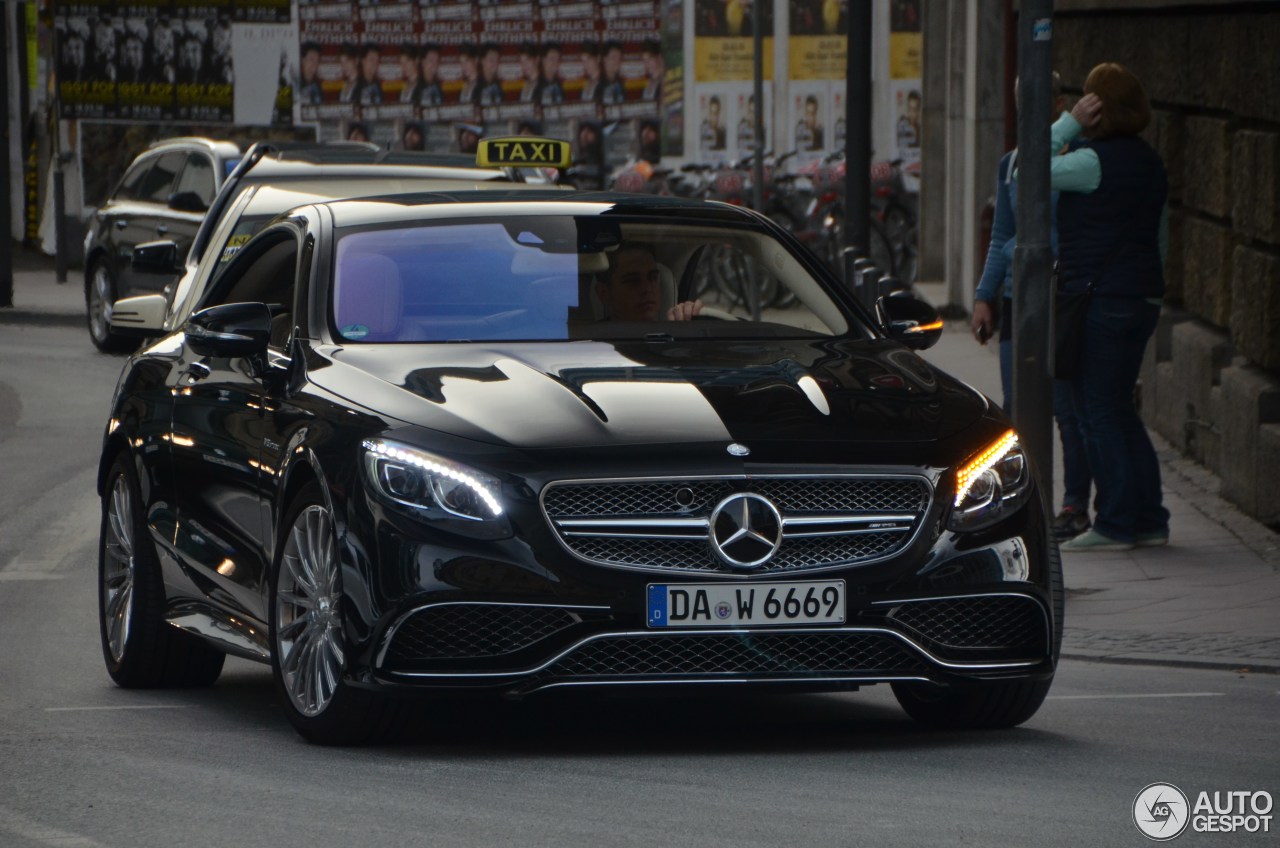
(274,161)
(475,204)
(277,197)
(308,166)
(217,147)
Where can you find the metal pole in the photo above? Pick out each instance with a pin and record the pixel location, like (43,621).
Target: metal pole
(757,32)
(857,121)
(757,179)
(59,222)
(6,190)
(1033,255)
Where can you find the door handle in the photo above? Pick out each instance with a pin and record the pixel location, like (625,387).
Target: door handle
(120,225)
(161,229)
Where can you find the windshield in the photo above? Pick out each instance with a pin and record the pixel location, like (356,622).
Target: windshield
(561,277)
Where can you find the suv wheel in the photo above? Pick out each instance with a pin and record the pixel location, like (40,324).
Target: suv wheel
(99,297)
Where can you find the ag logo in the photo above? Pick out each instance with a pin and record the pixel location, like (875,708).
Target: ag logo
(1161,811)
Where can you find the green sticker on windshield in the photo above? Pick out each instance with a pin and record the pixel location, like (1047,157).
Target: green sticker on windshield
(355,331)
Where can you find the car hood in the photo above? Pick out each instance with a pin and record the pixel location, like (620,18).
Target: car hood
(597,394)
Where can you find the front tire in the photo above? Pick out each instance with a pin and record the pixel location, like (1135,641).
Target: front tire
(991,705)
(308,637)
(141,649)
(99,298)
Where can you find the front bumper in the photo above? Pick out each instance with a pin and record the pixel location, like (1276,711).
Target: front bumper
(522,648)
(521,615)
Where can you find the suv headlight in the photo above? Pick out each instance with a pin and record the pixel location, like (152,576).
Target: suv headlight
(991,485)
(434,487)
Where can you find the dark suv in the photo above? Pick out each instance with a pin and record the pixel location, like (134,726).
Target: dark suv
(163,195)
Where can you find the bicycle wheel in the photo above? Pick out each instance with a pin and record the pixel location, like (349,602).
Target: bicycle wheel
(879,250)
(900,229)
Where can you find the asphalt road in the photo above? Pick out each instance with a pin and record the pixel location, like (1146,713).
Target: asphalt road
(85,764)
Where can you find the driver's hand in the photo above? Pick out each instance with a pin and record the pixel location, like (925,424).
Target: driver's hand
(684,311)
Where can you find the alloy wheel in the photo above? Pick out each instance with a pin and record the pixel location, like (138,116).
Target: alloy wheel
(308,638)
(119,569)
(100,303)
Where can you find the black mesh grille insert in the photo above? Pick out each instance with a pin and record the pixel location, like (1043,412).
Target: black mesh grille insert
(474,630)
(728,654)
(1005,624)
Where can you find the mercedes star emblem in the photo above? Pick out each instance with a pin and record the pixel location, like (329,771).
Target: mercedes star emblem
(746,530)
(736,449)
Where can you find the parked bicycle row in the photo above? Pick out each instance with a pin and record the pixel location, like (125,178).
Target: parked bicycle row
(808,202)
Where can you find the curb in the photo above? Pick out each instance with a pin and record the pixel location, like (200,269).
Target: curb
(1239,665)
(45,319)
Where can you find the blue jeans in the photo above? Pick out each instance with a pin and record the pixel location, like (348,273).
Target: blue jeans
(1124,464)
(1077,480)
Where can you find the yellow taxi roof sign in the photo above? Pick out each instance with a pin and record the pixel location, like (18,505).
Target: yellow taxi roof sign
(523,152)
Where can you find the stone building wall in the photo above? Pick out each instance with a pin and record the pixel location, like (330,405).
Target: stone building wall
(1211,383)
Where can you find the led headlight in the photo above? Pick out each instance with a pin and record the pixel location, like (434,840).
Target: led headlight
(432,483)
(991,485)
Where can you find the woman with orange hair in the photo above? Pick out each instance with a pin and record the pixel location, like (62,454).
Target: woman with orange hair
(1112,232)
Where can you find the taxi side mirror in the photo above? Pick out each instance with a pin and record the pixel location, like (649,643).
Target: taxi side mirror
(139,317)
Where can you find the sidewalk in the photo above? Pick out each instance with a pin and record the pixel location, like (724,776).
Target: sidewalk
(1211,598)
(37,296)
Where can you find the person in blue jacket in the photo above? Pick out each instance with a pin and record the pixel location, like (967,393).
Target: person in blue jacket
(993,314)
(1113,235)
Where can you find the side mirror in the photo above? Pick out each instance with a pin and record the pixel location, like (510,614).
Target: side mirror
(230,330)
(909,320)
(156,257)
(140,317)
(187,201)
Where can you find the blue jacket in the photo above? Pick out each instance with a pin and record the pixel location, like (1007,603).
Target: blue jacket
(997,273)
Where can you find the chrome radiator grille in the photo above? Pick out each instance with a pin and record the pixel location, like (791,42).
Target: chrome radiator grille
(665,524)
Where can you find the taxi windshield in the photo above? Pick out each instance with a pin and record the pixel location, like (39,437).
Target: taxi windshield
(527,278)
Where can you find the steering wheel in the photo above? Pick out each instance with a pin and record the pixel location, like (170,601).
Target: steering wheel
(715,314)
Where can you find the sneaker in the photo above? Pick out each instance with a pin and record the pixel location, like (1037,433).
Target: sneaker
(1071,522)
(1092,540)
(1154,539)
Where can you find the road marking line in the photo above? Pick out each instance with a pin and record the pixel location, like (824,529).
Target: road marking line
(1152,695)
(94,709)
(12,821)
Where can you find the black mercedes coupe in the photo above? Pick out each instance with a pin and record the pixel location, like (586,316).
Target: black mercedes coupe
(487,441)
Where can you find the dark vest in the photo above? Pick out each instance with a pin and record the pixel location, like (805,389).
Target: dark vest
(1112,234)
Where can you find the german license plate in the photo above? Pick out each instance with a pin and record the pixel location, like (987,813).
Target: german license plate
(738,605)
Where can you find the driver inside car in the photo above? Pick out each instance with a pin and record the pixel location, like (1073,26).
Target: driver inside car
(632,288)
